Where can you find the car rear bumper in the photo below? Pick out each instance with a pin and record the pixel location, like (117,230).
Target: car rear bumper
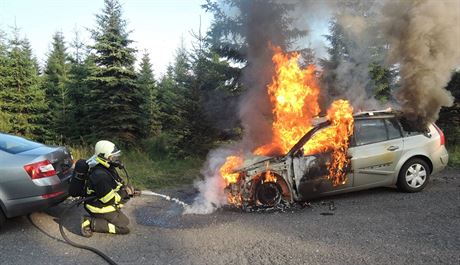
(440,158)
(49,196)
(27,205)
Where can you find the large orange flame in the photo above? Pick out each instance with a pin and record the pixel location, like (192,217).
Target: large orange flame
(294,97)
(334,138)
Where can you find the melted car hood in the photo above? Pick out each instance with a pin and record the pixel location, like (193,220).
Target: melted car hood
(257,161)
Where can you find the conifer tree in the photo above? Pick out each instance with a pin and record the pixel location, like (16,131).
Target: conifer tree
(172,101)
(21,98)
(150,110)
(169,99)
(115,99)
(56,78)
(4,117)
(243,29)
(78,89)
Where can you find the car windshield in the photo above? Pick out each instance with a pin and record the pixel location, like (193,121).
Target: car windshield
(14,144)
(308,136)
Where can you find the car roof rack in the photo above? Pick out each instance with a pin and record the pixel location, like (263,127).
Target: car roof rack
(369,113)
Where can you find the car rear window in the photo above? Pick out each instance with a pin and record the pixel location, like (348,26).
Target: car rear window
(411,128)
(370,131)
(14,144)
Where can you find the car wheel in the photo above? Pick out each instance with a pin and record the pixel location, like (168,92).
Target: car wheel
(414,175)
(268,193)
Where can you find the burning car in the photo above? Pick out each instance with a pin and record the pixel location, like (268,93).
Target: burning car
(382,149)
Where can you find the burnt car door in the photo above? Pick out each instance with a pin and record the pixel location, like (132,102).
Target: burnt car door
(376,148)
(311,174)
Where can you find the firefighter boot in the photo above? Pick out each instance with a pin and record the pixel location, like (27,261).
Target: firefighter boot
(86,226)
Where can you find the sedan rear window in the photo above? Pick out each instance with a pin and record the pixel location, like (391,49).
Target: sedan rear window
(14,144)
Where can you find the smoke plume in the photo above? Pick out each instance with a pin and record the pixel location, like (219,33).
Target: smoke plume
(264,28)
(424,39)
(211,189)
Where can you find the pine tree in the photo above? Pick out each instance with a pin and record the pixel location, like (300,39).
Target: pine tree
(21,97)
(173,99)
(115,97)
(167,100)
(244,28)
(78,90)
(56,78)
(3,59)
(356,62)
(210,105)
(5,124)
(150,110)
(449,118)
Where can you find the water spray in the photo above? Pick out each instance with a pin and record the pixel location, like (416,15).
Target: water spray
(166,197)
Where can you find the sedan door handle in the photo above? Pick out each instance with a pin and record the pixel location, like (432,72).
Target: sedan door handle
(393,148)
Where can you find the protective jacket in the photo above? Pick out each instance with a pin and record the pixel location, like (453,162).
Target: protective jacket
(105,183)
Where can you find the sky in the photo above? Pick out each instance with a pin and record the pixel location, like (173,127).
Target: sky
(158,25)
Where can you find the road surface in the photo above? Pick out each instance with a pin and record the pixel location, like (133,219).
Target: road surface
(379,226)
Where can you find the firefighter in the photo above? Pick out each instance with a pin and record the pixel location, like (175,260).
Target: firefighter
(105,183)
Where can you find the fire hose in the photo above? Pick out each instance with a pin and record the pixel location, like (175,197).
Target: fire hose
(77,203)
(82,200)
(72,243)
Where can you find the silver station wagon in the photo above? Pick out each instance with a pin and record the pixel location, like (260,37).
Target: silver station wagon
(385,150)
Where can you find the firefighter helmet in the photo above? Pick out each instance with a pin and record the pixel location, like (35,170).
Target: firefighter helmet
(106,149)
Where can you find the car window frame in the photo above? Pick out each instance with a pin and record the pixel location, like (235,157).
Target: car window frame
(386,133)
(398,125)
(353,142)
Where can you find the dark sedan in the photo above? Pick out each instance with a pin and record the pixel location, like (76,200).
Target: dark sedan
(33,176)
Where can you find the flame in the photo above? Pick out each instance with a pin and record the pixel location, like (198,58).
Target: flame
(334,138)
(226,170)
(268,176)
(294,96)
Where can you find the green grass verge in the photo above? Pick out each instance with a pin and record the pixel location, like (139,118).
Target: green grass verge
(454,156)
(147,173)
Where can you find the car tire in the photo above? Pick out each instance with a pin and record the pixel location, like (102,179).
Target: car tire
(414,175)
(268,193)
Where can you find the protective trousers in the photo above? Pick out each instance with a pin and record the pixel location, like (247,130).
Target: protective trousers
(114,222)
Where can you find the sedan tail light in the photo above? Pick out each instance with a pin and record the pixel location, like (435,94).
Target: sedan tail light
(443,139)
(41,169)
(52,195)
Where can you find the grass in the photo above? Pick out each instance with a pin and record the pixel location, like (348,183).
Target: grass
(454,156)
(148,173)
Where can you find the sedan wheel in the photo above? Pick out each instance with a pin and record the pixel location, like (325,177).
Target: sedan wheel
(414,175)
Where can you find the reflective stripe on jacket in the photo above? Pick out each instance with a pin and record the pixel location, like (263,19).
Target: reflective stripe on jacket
(105,184)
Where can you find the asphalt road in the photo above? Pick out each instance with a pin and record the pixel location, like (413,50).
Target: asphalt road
(379,226)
